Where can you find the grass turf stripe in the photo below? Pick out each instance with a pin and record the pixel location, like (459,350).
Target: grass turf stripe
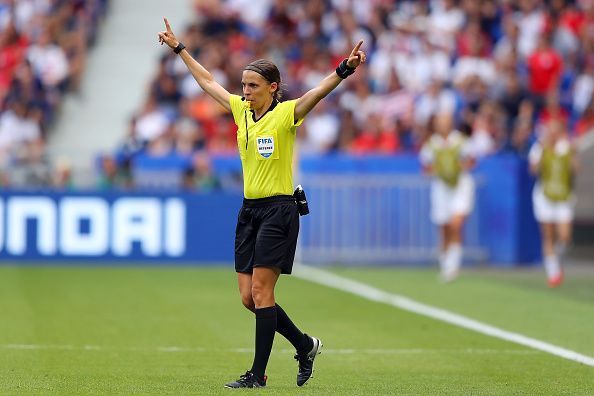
(329,279)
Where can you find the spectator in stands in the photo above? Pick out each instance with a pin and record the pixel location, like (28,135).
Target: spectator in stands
(552,110)
(42,54)
(544,66)
(74,37)
(165,91)
(152,122)
(522,137)
(376,137)
(436,99)
(200,176)
(508,43)
(586,122)
(348,131)
(224,140)
(12,51)
(473,41)
(445,21)
(531,22)
(487,129)
(111,175)
(49,61)
(449,56)
(511,95)
(360,100)
(28,88)
(397,104)
(583,90)
(263,250)
(321,130)
(125,154)
(18,130)
(447,157)
(554,161)
(62,175)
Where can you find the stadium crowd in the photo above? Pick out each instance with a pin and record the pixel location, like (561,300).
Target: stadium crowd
(502,68)
(43,47)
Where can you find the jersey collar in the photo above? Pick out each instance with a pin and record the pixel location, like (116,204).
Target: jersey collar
(272,106)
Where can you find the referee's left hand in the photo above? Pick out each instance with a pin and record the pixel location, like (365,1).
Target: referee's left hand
(167,37)
(356,57)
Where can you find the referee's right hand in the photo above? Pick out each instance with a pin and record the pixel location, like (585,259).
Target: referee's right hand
(166,36)
(356,57)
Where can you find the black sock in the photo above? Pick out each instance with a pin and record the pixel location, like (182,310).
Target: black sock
(287,329)
(265,328)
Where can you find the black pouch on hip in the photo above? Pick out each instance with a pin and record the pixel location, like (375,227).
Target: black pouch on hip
(299,195)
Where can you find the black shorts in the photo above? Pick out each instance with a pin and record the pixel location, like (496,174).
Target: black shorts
(266,234)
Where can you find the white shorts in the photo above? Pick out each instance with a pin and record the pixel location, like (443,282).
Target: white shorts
(447,202)
(547,211)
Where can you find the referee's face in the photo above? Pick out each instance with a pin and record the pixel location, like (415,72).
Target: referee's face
(256,89)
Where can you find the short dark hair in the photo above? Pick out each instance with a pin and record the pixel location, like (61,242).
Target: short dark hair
(269,71)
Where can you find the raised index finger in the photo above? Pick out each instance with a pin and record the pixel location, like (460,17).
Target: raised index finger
(167,24)
(356,49)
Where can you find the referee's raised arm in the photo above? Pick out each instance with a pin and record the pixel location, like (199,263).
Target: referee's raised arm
(202,76)
(347,67)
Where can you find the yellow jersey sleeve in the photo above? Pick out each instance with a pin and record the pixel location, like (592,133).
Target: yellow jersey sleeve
(289,114)
(238,107)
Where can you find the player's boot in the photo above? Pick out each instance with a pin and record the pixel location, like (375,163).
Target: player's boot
(248,380)
(306,361)
(556,281)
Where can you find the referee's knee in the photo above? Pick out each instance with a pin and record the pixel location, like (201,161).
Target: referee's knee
(248,302)
(261,295)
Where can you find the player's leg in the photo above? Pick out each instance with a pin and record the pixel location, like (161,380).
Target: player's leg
(462,204)
(563,220)
(545,213)
(548,238)
(455,249)
(444,232)
(440,216)
(306,347)
(563,236)
(244,282)
(245,241)
(279,233)
(284,325)
(263,281)
(561,241)
(551,261)
(257,295)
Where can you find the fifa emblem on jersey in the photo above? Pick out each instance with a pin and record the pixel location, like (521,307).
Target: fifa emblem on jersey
(265,146)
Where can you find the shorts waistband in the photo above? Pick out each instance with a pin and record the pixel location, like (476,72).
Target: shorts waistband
(268,201)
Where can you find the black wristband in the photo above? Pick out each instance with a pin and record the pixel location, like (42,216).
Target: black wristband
(343,70)
(179,48)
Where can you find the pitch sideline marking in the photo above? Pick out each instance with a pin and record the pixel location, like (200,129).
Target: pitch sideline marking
(327,351)
(331,280)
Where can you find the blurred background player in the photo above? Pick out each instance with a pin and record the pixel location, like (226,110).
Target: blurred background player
(553,160)
(446,157)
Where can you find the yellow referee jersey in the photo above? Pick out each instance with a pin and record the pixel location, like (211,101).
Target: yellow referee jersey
(267,157)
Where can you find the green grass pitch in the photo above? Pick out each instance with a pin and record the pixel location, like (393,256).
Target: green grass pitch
(180,330)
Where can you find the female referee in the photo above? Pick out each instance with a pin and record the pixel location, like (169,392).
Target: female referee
(268,222)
